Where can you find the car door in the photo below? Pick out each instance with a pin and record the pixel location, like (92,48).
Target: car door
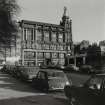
(42,80)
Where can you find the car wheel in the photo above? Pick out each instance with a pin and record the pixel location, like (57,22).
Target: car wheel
(46,90)
(33,82)
(74,101)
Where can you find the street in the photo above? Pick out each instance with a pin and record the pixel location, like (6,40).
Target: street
(15,92)
(77,78)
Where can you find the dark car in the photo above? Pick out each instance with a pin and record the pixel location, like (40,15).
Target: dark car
(71,67)
(92,92)
(87,69)
(49,79)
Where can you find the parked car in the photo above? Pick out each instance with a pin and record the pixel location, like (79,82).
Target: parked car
(4,68)
(8,69)
(26,73)
(92,92)
(1,67)
(87,69)
(71,67)
(60,67)
(50,79)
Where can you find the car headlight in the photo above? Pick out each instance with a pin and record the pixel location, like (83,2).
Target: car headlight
(67,83)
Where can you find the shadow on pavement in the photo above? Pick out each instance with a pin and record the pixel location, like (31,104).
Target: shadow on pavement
(8,82)
(35,100)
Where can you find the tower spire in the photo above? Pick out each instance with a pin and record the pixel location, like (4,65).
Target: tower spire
(65,10)
(65,18)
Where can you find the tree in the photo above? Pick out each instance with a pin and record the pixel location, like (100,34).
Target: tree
(8,8)
(94,54)
(77,48)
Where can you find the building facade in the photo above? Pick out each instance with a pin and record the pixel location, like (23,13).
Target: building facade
(102,46)
(44,43)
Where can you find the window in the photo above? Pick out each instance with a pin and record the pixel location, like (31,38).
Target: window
(25,63)
(52,47)
(30,34)
(29,55)
(64,47)
(39,46)
(47,55)
(29,44)
(57,47)
(54,55)
(69,48)
(60,37)
(41,75)
(33,45)
(61,47)
(53,37)
(66,37)
(40,55)
(25,33)
(39,35)
(46,36)
(45,46)
(61,55)
(61,61)
(29,63)
(24,44)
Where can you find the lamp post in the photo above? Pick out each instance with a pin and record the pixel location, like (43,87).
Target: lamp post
(68,57)
(5,55)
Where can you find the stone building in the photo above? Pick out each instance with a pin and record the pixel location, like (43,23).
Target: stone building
(102,47)
(45,43)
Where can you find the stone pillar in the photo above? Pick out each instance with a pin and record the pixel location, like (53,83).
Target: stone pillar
(33,34)
(84,60)
(23,34)
(36,43)
(22,49)
(22,57)
(75,61)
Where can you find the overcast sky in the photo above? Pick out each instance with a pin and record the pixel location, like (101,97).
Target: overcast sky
(88,16)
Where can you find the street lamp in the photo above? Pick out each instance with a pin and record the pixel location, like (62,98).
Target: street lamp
(68,57)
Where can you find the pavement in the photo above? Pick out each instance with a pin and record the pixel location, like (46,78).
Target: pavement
(12,88)
(15,92)
(35,100)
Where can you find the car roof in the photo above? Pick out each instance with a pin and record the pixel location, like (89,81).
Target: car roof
(98,75)
(51,70)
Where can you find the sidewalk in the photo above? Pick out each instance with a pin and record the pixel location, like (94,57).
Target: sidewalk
(12,88)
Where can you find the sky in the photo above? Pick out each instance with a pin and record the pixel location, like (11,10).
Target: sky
(88,16)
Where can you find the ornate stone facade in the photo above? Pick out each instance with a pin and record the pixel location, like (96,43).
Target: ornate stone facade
(44,43)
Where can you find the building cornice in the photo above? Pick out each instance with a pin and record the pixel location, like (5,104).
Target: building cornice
(41,23)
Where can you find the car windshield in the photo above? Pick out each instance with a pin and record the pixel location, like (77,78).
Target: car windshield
(56,74)
(29,71)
